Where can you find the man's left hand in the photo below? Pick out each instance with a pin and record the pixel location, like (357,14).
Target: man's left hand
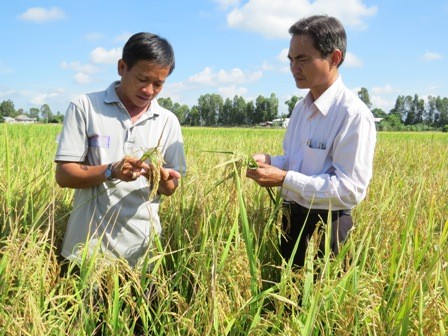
(266,175)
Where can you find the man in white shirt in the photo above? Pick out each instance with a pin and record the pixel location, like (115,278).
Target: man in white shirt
(328,147)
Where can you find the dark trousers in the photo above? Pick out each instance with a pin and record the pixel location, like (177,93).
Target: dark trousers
(299,223)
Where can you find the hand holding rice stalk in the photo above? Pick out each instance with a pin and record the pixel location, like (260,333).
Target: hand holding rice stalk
(239,161)
(155,162)
(161,180)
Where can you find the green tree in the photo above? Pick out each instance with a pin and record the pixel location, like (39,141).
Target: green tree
(181,111)
(266,109)
(415,108)
(272,107)
(250,113)
(261,109)
(238,116)
(166,103)
(379,113)
(363,94)
(193,117)
(442,108)
(431,114)
(226,113)
(209,106)
(402,107)
(418,105)
(291,103)
(392,122)
(46,113)
(7,109)
(57,118)
(34,113)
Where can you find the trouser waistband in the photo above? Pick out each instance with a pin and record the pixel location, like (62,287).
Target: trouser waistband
(294,207)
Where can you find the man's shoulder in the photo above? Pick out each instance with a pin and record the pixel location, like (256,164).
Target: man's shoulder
(165,113)
(106,95)
(353,104)
(87,98)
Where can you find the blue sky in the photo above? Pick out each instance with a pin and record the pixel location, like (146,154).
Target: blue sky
(52,51)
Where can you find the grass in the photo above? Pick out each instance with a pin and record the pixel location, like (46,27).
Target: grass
(216,269)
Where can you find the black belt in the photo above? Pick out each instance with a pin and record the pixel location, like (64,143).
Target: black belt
(293,207)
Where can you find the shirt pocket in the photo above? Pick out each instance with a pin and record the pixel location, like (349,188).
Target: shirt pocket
(313,161)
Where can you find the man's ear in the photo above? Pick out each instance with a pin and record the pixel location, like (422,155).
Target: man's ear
(336,57)
(121,66)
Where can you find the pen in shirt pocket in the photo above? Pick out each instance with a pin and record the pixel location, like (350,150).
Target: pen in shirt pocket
(320,145)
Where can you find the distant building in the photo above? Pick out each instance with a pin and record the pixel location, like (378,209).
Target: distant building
(283,122)
(24,119)
(9,120)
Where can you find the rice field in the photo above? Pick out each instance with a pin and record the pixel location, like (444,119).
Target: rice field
(216,269)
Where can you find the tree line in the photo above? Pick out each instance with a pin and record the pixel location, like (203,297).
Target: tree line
(410,113)
(213,110)
(42,114)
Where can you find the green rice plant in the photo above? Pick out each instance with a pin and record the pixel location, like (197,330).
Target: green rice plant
(200,278)
(155,159)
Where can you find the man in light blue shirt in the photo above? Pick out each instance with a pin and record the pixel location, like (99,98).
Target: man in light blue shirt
(104,136)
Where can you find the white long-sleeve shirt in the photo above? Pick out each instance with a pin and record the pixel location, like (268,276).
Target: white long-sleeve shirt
(328,150)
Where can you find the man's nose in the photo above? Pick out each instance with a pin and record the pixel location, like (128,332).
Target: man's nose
(148,89)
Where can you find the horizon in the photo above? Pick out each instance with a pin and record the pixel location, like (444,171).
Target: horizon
(228,47)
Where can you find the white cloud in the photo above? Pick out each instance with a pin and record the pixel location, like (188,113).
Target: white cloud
(7,93)
(93,36)
(266,66)
(232,91)
(45,98)
(103,56)
(205,77)
(283,56)
(40,14)
(39,99)
(77,66)
(352,61)
(224,4)
(234,76)
(82,78)
(280,63)
(83,71)
(4,69)
(175,91)
(272,19)
(432,56)
(384,89)
(122,38)
(382,103)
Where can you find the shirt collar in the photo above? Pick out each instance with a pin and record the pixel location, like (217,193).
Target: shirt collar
(112,97)
(326,99)
(111,94)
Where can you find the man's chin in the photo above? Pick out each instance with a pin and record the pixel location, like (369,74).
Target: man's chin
(142,102)
(301,84)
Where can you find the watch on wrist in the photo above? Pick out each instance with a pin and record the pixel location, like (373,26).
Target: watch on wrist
(109,172)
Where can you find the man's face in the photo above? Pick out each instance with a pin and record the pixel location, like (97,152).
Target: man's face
(308,68)
(142,83)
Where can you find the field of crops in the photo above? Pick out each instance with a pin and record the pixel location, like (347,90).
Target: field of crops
(216,269)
